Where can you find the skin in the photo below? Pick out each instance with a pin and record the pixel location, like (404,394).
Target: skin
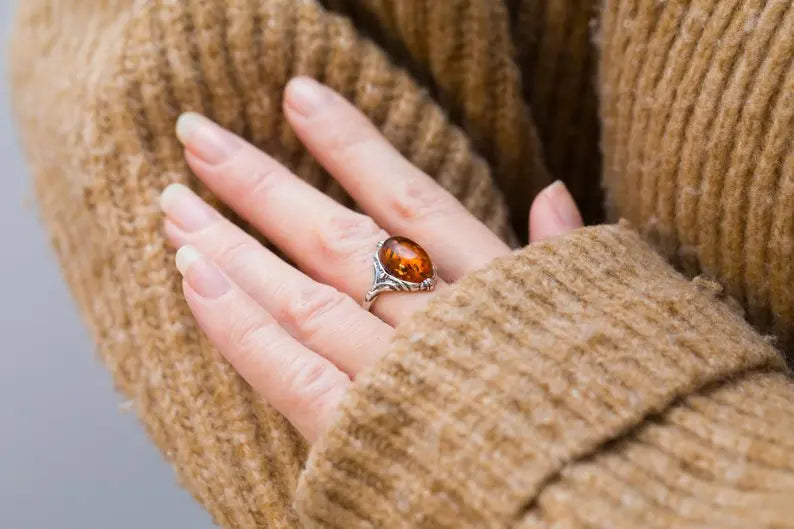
(299,335)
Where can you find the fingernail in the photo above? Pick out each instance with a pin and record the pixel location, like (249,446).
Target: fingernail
(306,96)
(209,141)
(563,205)
(201,275)
(185,208)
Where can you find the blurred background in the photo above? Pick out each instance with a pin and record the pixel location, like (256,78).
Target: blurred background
(70,457)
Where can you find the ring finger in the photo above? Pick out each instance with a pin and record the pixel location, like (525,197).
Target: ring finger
(395,193)
(330,242)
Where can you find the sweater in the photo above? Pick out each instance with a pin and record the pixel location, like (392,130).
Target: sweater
(628,375)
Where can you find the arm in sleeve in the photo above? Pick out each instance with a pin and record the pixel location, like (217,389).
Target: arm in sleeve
(580,380)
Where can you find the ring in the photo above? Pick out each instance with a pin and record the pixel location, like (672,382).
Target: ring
(400,265)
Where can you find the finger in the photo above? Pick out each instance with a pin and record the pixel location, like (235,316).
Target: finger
(302,385)
(331,243)
(553,213)
(319,316)
(397,195)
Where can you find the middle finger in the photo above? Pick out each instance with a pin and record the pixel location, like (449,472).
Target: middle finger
(330,242)
(398,195)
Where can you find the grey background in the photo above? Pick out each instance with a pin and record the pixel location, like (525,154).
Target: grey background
(69,457)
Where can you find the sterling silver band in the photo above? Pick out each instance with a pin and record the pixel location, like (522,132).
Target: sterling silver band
(382,281)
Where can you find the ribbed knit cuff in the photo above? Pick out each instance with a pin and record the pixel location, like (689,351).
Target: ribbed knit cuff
(721,458)
(514,372)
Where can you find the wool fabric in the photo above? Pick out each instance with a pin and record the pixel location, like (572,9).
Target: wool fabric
(627,375)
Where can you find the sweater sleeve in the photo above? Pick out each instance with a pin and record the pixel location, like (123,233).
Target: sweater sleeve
(582,382)
(97,86)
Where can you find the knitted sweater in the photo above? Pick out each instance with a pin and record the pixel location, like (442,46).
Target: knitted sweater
(587,381)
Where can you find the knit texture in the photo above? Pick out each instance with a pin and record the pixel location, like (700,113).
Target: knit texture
(484,400)
(697,106)
(110,150)
(579,383)
(558,64)
(476,79)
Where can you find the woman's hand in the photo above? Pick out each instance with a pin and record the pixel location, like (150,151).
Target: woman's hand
(300,336)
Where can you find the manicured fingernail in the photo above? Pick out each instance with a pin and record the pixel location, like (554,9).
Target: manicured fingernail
(201,275)
(209,141)
(185,208)
(563,205)
(306,96)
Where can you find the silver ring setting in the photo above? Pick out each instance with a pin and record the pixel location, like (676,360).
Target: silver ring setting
(400,265)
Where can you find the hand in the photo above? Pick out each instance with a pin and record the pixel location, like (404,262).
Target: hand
(300,336)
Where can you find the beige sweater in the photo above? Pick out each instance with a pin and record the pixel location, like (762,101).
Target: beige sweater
(578,383)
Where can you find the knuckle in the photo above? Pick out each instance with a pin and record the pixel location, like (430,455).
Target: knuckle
(305,313)
(311,383)
(235,255)
(420,200)
(256,178)
(357,132)
(345,236)
(358,138)
(262,180)
(246,334)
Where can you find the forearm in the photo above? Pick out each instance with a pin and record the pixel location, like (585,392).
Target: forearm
(577,359)
(720,457)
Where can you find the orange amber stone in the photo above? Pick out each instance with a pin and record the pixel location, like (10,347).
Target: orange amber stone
(406,260)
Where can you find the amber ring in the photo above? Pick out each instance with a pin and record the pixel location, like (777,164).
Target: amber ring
(400,265)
